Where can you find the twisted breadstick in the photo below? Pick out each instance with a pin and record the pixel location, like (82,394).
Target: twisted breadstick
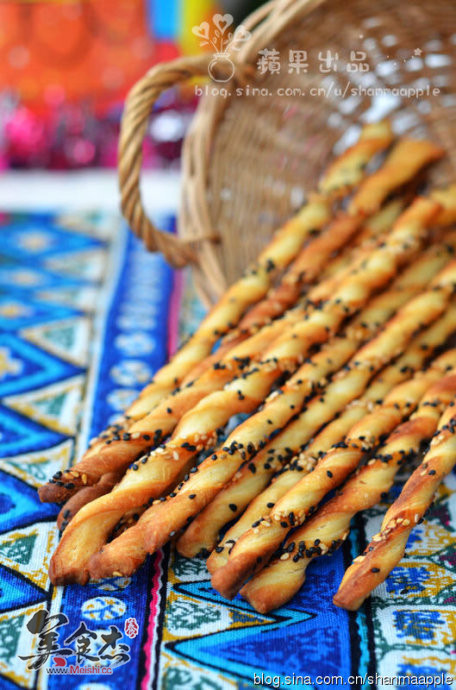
(122,447)
(401,165)
(387,548)
(156,473)
(329,527)
(230,502)
(284,353)
(257,544)
(118,447)
(346,171)
(373,227)
(250,288)
(304,270)
(351,256)
(413,359)
(86,495)
(163,519)
(120,450)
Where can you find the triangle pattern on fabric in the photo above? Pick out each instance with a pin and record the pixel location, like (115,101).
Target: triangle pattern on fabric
(20,504)
(23,366)
(82,298)
(21,550)
(57,406)
(86,265)
(21,435)
(16,641)
(36,468)
(67,339)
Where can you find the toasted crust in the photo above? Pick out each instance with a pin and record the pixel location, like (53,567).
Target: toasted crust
(347,170)
(329,527)
(112,451)
(160,520)
(231,501)
(84,496)
(292,509)
(387,548)
(413,359)
(402,164)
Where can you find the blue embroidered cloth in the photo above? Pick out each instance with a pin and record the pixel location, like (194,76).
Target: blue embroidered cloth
(84,323)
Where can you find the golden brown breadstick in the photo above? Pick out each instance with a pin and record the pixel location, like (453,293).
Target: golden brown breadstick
(163,519)
(257,279)
(147,401)
(256,546)
(387,548)
(251,287)
(201,535)
(230,502)
(373,227)
(304,270)
(398,169)
(348,169)
(371,230)
(121,444)
(148,479)
(247,290)
(86,495)
(329,527)
(155,474)
(413,359)
(283,354)
(121,449)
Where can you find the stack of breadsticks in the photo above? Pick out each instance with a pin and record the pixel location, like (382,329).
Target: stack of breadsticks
(336,344)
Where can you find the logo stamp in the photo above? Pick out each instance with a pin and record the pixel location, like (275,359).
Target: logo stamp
(219,35)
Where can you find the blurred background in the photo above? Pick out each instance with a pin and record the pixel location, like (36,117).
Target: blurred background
(66,66)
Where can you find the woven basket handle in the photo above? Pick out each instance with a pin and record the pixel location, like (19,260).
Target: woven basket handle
(135,118)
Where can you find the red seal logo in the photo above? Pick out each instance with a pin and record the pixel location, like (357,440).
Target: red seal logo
(131,627)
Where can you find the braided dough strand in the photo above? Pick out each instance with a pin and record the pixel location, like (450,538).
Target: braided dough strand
(161,521)
(372,229)
(403,163)
(413,359)
(229,503)
(330,526)
(84,496)
(120,444)
(387,548)
(290,288)
(256,546)
(347,170)
(285,353)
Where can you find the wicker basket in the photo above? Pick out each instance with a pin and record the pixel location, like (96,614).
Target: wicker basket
(249,161)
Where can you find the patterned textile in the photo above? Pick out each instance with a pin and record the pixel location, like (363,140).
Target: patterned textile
(84,315)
